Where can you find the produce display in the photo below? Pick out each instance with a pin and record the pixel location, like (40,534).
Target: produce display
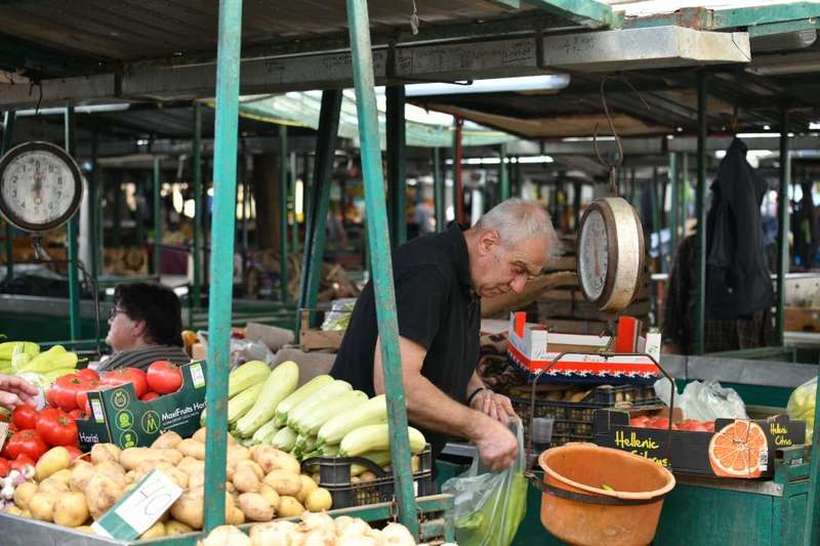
(802,404)
(24,359)
(662,422)
(313,529)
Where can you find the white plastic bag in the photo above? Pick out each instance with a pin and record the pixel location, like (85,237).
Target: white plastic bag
(242,350)
(489,506)
(802,404)
(704,401)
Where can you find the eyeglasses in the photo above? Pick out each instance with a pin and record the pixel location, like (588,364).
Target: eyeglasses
(114,312)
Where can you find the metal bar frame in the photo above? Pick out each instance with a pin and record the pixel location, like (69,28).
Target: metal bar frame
(700,212)
(674,189)
(196,168)
(458,183)
(157,201)
(8,134)
(438,191)
(382,270)
(588,13)
(503,174)
(396,157)
(73,232)
(283,214)
(221,288)
(783,256)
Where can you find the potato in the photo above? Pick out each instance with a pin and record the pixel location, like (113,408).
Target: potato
(196,480)
(226,535)
(308,487)
(255,507)
(318,500)
(192,448)
(130,477)
(367,476)
(284,482)
(252,465)
(190,465)
(200,435)
(132,457)
(245,479)
(41,506)
(14,511)
(188,508)
(81,472)
(174,527)
(53,486)
(270,495)
(167,440)
(113,470)
(270,458)
(101,493)
(236,517)
(23,494)
(86,529)
(237,453)
(63,475)
(53,460)
(105,452)
(289,507)
(155,531)
(71,510)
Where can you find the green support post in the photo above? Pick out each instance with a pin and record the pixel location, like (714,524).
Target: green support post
(382,269)
(674,188)
(283,213)
(503,175)
(198,211)
(588,13)
(438,190)
(116,231)
(458,183)
(157,189)
(811,534)
(294,232)
(577,188)
(8,132)
(73,232)
(396,156)
(222,238)
(93,198)
(700,213)
(783,258)
(684,190)
(319,200)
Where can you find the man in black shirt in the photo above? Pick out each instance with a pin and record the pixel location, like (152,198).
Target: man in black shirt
(439,280)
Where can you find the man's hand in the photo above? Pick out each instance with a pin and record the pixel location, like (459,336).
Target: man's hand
(497,406)
(496,445)
(15,391)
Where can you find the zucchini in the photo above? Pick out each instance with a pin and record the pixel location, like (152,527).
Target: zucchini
(376,438)
(380,458)
(298,396)
(284,439)
(317,399)
(245,376)
(239,405)
(372,412)
(265,431)
(310,423)
(280,383)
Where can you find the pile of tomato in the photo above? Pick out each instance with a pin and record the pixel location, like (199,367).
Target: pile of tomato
(645,421)
(35,432)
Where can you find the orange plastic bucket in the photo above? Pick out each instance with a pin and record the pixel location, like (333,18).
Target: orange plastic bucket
(594,496)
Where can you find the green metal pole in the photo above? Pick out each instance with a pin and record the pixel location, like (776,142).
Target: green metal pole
(811,535)
(93,198)
(684,190)
(674,185)
(319,203)
(438,190)
(157,217)
(73,251)
(198,211)
(700,213)
(8,132)
(379,241)
(503,175)
(783,224)
(294,231)
(283,213)
(222,239)
(396,155)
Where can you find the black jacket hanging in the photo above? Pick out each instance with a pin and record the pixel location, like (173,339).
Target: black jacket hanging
(737,275)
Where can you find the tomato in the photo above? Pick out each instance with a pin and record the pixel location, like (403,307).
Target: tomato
(164,377)
(64,390)
(5,468)
(658,422)
(73,452)
(148,396)
(28,443)
(88,374)
(76,414)
(21,462)
(57,428)
(24,417)
(639,421)
(82,396)
(136,377)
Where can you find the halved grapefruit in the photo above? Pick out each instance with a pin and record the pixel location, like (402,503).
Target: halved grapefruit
(739,450)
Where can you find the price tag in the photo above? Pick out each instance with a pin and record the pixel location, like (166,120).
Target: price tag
(140,509)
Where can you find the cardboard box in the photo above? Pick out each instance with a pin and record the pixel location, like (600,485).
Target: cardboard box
(120,418)
(690,452)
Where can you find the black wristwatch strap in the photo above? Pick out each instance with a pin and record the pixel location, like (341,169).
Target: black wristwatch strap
(474,393)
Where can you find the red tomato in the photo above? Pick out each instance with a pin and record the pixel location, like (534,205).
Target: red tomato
(21,462)
(639,421)
(164,377)
(26,442)
(76,414)
(5,468)
(658,422)
(24,417)
(64,390)
(88,374)
(148,396)
(82,396)
(73,452)
(136,377)
(57,428)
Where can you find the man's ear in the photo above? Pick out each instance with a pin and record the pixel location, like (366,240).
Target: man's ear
(139,328)
(487,240)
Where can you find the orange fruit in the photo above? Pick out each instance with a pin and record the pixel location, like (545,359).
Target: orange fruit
(738,450)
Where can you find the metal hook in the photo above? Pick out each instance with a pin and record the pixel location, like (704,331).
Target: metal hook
(414,20)
(40,97)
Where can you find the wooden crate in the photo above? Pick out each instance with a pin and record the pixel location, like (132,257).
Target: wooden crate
(801,319)
(314,339)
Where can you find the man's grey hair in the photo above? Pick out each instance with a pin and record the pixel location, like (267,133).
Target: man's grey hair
(517,219)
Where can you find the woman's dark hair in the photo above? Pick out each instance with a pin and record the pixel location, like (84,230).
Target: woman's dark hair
(157,305)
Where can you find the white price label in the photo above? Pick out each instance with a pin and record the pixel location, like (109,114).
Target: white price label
(197,375)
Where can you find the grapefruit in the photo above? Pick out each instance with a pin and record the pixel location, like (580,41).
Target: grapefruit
(737,449)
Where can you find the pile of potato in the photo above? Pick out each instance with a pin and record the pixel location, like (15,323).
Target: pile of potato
(263,483)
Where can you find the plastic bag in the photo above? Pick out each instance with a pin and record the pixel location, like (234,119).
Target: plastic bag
(489,506)
(802,404)
(704,401)
(242,350)
(338,318)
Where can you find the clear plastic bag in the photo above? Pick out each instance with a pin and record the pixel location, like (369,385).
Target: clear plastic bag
(339,315)
(242,350)
(802,404)
(704,401)
(489,506)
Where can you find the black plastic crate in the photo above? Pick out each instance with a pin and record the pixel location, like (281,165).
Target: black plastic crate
(573,421)
(335,476)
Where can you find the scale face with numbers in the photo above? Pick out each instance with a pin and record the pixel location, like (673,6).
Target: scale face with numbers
(610,253)
(40,186)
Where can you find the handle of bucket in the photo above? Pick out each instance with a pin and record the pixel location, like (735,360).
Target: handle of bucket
(535,379)
(548,489)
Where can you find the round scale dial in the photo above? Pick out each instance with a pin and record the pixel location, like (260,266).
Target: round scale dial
(40,186)
(610,253)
